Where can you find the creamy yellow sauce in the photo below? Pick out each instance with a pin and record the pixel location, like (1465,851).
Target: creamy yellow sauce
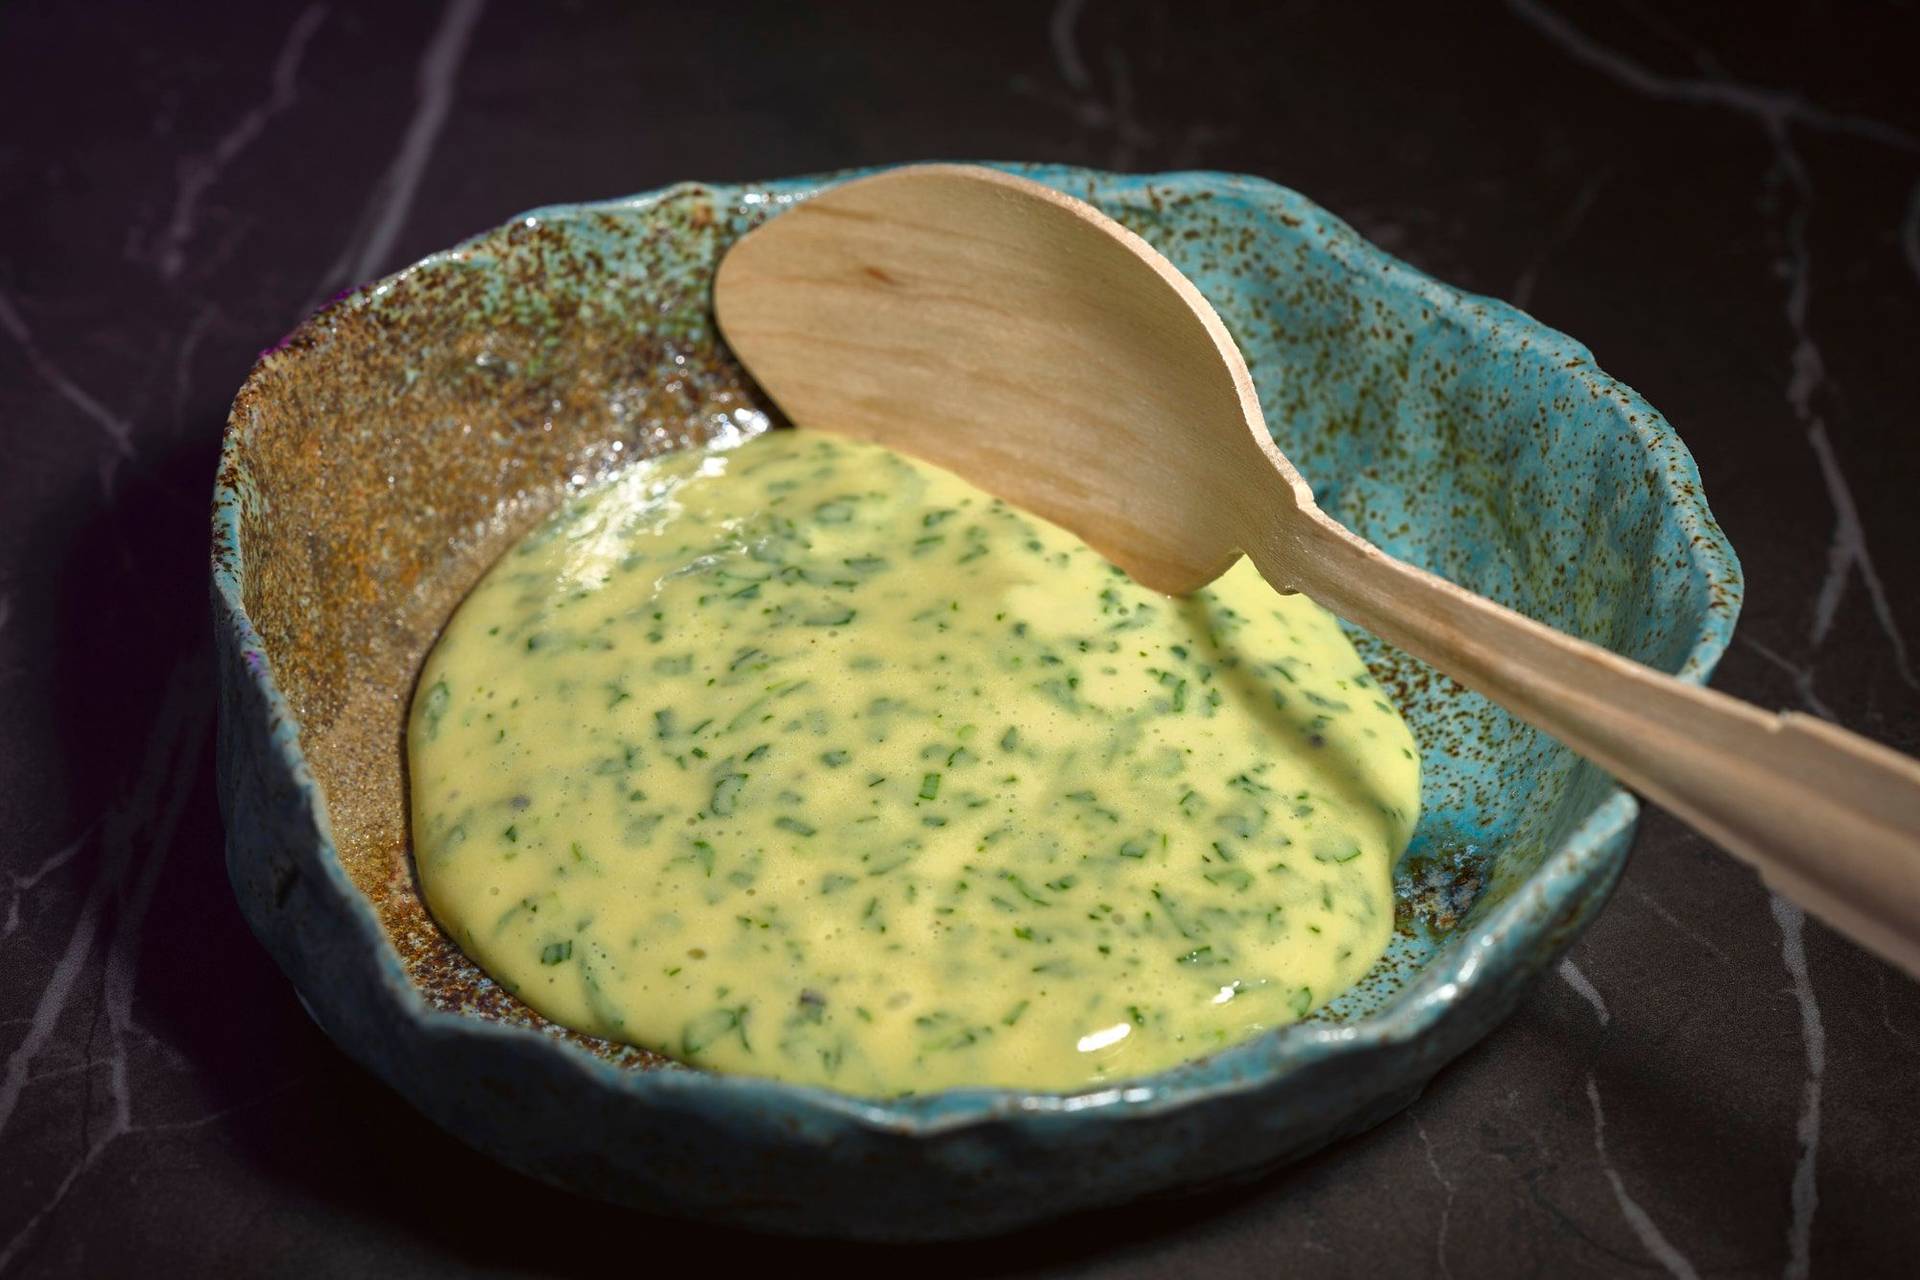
(806,760)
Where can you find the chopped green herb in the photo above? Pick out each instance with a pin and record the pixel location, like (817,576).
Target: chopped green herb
(806,601)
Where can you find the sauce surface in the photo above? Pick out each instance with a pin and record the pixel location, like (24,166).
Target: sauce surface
(807,760)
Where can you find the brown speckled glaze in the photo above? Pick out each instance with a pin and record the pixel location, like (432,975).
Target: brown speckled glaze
(381,458)
(401,447)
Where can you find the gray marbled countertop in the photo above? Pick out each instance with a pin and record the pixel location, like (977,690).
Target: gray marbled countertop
(1726,209)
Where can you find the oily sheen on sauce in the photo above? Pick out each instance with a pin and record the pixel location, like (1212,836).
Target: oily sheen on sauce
(799,758)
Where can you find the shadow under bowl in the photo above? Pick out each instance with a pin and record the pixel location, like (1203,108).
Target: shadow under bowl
(379,459)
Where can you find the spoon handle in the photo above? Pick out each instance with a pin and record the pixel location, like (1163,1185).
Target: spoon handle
(1830,819)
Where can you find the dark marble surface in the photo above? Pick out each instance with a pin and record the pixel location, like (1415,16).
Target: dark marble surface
(1726,208)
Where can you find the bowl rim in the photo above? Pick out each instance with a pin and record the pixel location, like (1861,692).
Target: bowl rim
(1586,860)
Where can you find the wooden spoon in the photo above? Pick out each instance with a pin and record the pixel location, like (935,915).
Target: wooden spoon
(1025,341)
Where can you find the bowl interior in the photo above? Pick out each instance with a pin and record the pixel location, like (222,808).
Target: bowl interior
(399,442)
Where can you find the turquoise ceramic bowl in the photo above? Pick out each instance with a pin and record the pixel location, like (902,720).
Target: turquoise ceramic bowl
(402,437)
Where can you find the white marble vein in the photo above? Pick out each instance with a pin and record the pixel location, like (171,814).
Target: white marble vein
(118,430)
(1568,226)
(1570,973)
(53,999)
(196,174)
(1653,904)
(13,1247)
(1806,1192)
(155,831)
(1446,1209)
(183,356)
(370,248)
(135,839)
(1846,551)
(1802,677)
(1747,99)
(1776,111)
(18,884)
(1066,52)
(1110,110)
(223,1113)
(1886,1012)
(83,1067)
(1651,1237)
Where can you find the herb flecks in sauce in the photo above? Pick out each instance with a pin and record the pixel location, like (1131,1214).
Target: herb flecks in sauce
(806,760)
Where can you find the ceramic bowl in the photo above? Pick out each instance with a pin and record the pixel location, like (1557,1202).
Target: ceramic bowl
(379,458)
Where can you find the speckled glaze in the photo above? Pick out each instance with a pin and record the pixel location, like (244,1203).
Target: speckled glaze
(380,458)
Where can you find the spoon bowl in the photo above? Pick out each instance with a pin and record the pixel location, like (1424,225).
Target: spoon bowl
(1024,340)
(967,316)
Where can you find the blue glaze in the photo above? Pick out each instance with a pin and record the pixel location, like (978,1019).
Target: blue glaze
(1456,431)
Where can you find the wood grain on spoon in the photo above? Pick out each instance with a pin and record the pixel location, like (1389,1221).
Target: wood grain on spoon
(1029,343)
